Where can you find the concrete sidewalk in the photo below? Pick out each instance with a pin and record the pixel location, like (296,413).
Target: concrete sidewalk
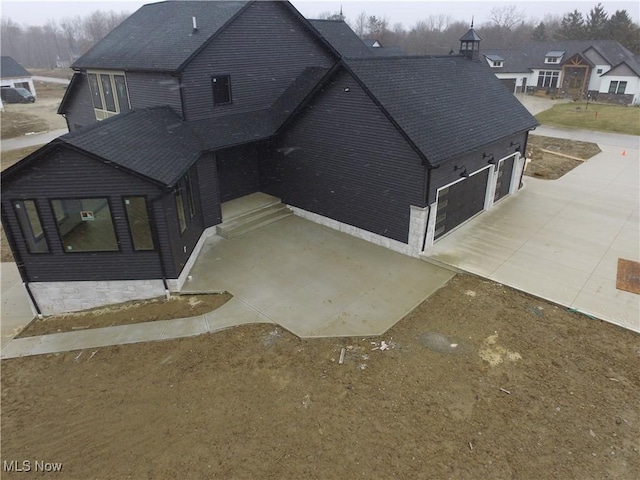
(232,313)
(561,239)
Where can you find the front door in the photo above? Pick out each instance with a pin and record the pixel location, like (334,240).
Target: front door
(503,182)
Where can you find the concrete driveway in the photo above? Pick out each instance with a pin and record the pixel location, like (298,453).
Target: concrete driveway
(315,281)
(561,239)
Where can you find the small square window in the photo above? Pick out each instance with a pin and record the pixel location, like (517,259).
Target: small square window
(221,89)
(599,70)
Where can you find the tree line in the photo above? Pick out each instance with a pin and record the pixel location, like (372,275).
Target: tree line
(507,28)
(56,43)
(60,43)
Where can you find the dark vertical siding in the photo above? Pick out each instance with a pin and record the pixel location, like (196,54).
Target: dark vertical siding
(263,51)
(63,173)
(342,158)
(237,172)
(472,161)
(182,244)
(209,194)
(79,111)
(154,89)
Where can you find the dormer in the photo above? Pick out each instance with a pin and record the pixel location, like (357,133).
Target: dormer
(495,61)
(470,44)
(554,57)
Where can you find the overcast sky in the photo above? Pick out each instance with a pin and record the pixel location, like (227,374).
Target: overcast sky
(28,12)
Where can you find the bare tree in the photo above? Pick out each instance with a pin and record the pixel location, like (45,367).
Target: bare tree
(360,24)
(506,17)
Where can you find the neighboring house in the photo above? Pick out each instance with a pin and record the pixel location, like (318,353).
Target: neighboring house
(231,98)
(602,69)
(12,74)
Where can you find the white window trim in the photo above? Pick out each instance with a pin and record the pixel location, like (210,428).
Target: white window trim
(553,60)
(102,113)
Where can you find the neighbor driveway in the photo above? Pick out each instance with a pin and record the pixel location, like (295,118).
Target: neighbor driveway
(315,281)
(561,239)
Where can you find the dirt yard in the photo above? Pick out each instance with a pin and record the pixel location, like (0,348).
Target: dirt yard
(479,381)
(21,118)
(139,311)
(544,164)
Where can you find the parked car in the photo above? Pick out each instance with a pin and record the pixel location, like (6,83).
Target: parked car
(16,95)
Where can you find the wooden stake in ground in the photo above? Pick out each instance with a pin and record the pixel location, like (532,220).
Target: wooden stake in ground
(342,353)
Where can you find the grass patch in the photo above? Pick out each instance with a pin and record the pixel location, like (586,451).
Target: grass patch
(16,124)
(606,118)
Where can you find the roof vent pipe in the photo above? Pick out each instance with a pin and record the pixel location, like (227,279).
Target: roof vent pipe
(195,25)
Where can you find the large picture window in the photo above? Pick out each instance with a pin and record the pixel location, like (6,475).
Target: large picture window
(85,225)
(31,226)
(109,93)
(548,79)
(139,226)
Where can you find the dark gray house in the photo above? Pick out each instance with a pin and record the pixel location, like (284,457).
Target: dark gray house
(232,98)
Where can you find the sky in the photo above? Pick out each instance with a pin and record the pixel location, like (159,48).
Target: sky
(30,12)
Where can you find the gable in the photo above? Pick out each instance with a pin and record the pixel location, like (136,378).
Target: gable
(9,68)
(577,60)
(622,70)
(594,57)
(263,51)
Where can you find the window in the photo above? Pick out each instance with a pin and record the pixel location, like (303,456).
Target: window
(95,90)
(497,63)
(85,225)
(552,60)
(109,93)
(139,226)
(121,93)
(548,78)
(182,220)
(221,89)
(190,198)
(599,70)
(31,227)
(617,87)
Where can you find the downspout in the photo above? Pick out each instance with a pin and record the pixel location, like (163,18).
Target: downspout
(156,239)
(427,192)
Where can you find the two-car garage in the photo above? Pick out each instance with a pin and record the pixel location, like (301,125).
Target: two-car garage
(458,202)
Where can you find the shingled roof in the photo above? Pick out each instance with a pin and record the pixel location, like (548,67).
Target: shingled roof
(9,68)
(153,142)
(532,55)
(446,105)
(341,38)
(160,36)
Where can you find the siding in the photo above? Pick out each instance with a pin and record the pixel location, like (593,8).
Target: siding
(63,173)
(79,111)
(209,193)
(154,89)
(263,50)
(472,161)
(181,244)
(346,161)
(237,172)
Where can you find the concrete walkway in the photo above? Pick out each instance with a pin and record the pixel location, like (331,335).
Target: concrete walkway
(31,140)
(16,310)
(561,239)
(309,279)
(232,313)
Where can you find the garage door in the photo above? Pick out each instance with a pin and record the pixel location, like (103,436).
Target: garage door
(505,170)
(510,83)
(460,201)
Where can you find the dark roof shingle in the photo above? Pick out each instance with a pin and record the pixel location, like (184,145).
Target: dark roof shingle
(9,68)
(341,38)
(153,142)
(445,105)
(160,36)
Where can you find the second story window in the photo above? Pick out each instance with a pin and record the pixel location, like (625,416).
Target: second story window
(109,93)
(221,89)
